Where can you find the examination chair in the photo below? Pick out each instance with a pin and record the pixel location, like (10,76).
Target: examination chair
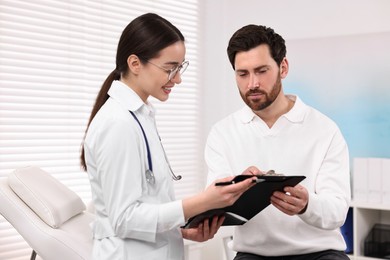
(50,217)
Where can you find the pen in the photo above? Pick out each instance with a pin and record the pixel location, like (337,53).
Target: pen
(258,180)
(224,183)
(232,182)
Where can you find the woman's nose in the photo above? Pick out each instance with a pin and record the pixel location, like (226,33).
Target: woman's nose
(176,79)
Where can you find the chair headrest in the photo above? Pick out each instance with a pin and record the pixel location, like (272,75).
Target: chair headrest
(51,200)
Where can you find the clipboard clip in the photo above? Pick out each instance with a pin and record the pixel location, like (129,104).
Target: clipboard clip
(273,173)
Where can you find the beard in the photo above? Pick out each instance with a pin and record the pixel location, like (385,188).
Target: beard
(259,104)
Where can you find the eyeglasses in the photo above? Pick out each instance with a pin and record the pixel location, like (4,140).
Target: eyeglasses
(172,72)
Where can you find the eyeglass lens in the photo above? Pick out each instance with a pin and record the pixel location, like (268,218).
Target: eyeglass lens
(181,68)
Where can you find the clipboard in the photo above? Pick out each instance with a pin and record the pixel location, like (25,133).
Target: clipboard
(251,202)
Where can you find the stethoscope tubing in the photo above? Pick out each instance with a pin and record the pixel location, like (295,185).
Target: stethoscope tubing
(149,172)
(149,155)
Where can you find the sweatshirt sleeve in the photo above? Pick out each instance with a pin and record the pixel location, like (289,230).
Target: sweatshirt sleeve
(330,200)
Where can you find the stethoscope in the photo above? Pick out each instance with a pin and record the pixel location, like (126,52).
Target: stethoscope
(149,172)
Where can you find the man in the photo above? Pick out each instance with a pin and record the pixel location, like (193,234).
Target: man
(275,131)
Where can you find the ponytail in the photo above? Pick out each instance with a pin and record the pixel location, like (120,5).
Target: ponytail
(100,100)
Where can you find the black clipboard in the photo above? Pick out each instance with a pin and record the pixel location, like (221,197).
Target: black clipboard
(251,202)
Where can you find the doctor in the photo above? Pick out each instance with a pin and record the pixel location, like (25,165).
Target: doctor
(137,216)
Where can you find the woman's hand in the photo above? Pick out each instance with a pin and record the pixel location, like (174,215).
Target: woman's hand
(215,197)
(204,231)
(224,196)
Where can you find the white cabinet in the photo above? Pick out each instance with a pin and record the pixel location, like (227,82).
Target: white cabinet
(365,216)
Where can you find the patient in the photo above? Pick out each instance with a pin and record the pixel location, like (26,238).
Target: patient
(279,131)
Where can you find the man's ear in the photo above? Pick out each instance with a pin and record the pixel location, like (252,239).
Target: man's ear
(134,64)
(284,68)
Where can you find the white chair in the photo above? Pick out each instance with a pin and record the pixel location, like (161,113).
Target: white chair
(49,216)
(229,253)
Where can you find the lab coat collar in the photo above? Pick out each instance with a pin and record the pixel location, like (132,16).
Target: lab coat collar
(295,115)
(127,97)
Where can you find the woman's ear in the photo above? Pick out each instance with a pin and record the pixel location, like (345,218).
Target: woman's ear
(284,68)
(134,64)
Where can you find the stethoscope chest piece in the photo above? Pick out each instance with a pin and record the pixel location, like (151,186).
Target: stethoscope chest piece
(150,177)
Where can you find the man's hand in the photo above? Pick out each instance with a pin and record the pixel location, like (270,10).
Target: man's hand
(292,201)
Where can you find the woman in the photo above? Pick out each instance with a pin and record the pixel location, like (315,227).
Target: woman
(137,215)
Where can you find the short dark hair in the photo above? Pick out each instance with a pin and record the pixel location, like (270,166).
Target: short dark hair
(251,36)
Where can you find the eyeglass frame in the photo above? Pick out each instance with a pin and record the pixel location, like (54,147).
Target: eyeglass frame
(173,72)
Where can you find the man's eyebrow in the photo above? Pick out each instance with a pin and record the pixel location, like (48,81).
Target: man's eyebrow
(241,70)
(257,68)
(262,67)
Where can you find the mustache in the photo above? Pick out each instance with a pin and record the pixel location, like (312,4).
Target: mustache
(255,91)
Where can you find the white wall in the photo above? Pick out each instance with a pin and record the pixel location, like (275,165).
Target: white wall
(294,20)
(299,22)
(298,19)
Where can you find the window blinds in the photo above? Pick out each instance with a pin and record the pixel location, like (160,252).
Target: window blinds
(54,56)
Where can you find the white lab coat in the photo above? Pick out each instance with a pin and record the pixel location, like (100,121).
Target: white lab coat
(134,219)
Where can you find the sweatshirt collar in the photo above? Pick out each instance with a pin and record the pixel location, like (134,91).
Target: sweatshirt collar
(295,115)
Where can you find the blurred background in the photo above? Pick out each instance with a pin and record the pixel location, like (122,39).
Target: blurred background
(55,54)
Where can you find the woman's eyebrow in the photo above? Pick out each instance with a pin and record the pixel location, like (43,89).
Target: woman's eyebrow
(173,62)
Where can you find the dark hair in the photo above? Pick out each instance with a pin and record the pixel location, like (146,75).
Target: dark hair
(145,37)
(251,36)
